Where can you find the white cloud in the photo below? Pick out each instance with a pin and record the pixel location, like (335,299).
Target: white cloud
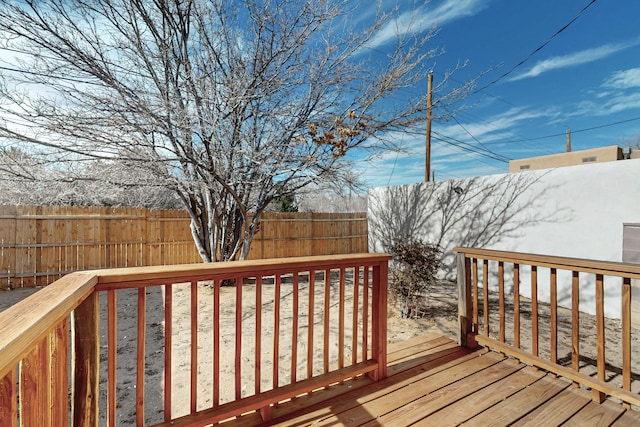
(624,79)
(423,19)
(574,59)
(496,127)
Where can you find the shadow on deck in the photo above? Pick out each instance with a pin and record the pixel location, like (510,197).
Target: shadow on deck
(434,382)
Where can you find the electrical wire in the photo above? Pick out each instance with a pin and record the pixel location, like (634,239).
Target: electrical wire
(555,135)
(538,49)
(505,158)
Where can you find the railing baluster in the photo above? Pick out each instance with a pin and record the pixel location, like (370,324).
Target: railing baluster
(341,319)
(193,379)
(575,323)
(168,344)
(501,302)
(485,295)
(516,305)
(463,266)
(310,337)
(276,331)
(238,348)
(294,327)
(599,396)
(554,315)
(534,310)
(86,359)
(327,306)
(216,342)
(476,313)
(111,356)
(365,312)
(59,346)
(354,327)
(379,318)
(258,333)
(140,355)
(626,336)
(9,400)
(34,386)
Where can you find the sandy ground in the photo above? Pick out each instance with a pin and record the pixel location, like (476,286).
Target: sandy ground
(440,313)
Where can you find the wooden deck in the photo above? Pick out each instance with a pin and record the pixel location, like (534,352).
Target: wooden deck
(434,382)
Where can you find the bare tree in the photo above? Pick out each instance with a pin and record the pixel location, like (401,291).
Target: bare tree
(29,180)
(230,104)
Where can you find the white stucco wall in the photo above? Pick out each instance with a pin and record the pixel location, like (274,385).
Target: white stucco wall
(576,211)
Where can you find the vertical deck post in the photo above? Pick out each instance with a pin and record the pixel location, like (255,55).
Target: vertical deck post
(379,317)
(86,362)
(465,321)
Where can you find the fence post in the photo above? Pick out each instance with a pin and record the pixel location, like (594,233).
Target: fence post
(465,332)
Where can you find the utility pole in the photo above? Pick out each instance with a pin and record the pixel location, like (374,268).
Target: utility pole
(427,165)
(568,140)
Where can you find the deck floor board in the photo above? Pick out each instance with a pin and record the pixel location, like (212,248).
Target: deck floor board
(431,381)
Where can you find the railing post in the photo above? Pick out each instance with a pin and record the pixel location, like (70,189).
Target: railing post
(379,317)
(86,362)
(465,323)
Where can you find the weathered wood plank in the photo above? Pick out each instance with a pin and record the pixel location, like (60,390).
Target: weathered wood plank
(409,411)
(558,410)
(370,391)
(223,412)
(374,408)
(596,414)
(628,419)
(484,398)
(409,350)
(522,402)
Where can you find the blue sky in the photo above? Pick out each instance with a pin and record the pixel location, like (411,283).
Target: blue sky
(587,79)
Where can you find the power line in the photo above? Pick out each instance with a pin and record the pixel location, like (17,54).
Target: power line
(470,148)
(480,143)
(461,145)
(555,135)
(539,48)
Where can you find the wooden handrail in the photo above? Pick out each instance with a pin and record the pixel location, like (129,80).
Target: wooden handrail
(471,284)
(120,278)
(59,325)
(609,268)
(29,321)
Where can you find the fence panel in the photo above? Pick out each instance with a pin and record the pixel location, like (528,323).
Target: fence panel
(38,245)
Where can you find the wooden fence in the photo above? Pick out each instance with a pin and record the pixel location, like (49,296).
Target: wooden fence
(38,245)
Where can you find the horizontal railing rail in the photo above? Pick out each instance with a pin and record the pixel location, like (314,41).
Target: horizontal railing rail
(233,337)
(537,283)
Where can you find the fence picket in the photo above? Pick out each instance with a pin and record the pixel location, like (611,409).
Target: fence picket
(38,245)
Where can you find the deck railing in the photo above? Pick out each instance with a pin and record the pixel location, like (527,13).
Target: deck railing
(483,279)
(278,328)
